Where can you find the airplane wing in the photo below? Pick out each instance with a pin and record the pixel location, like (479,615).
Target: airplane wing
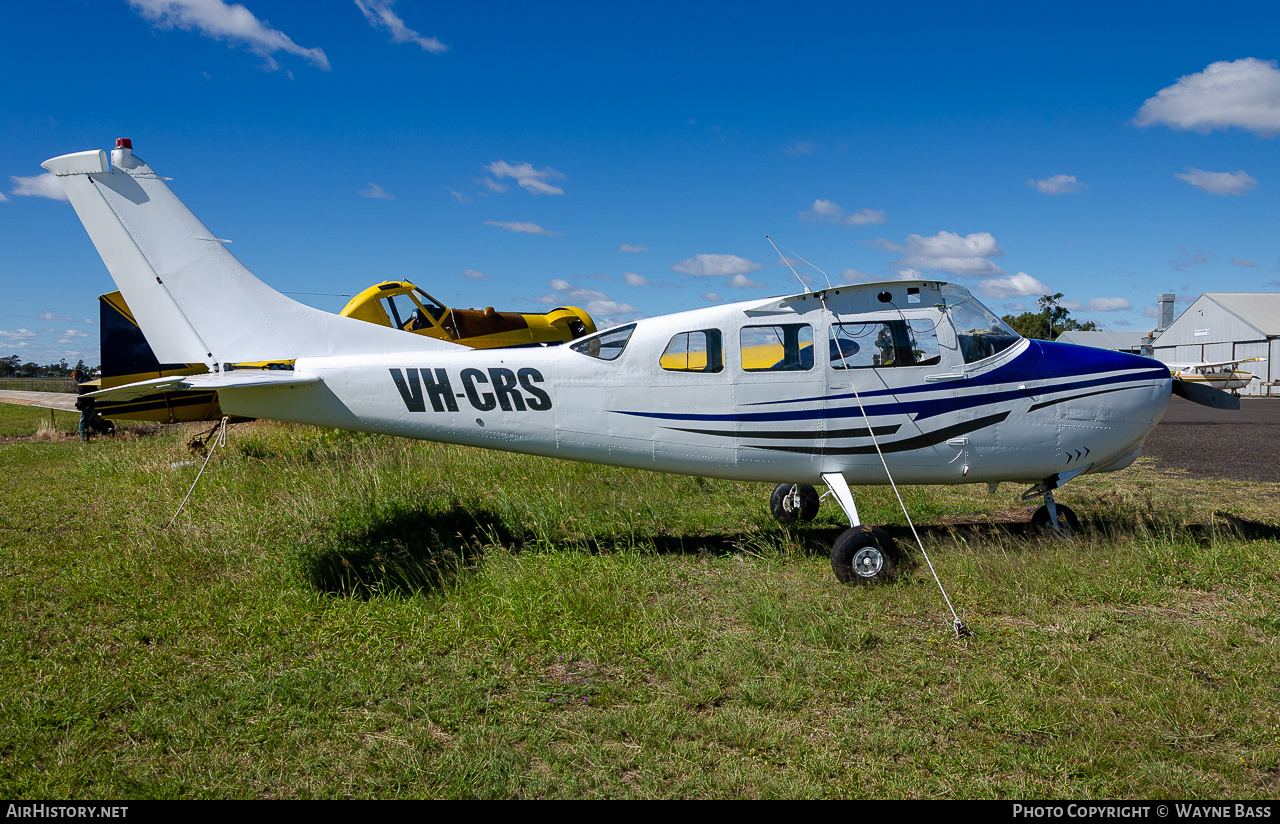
(1205,395)
(203,383)
(64,401)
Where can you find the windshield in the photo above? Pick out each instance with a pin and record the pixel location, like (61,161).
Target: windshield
(980,333)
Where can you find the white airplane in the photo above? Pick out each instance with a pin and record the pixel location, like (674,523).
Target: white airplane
(1221,375)
(837,387)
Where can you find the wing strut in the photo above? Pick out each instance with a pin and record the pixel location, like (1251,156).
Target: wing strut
(840,487)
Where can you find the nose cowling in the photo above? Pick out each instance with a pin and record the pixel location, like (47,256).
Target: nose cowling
(1119,377)
(1108,401)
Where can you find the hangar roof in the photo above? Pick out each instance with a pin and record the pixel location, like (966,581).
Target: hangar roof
(1261,310)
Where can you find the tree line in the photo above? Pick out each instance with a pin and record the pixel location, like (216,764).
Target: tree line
(13,367)
(1051,321)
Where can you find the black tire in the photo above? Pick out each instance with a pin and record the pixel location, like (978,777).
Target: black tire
(858,557)
(890,547)
(1067,520)
(783,507)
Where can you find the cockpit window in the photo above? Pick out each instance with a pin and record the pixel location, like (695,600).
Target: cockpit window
(434,307)
(606,346)
(884,344)
(980,333)
(400,309)
(699,351)
(784,348)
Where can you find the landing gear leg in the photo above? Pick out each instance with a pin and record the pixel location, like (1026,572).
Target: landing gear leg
(1055,519)
(862,554)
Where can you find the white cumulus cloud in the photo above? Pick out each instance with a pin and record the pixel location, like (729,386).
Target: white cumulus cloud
(633,279)
(1098,305)
(824,211)
(19,334)
(45,185)
(1218,183)
(233,23)
(949,252)
(712,297)
(522,226)
(1058,185)
(715,266)
(530,179)
(1244,94)
(1109,304)
(380,16)
(744,282)
(1012,286)
(627,247)
(597,303)
(474,274)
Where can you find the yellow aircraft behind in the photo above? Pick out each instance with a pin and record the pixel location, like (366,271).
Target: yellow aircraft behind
(401,305)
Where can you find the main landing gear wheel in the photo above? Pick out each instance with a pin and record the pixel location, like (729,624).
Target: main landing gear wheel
(793,502)
(1068,523)
(864,555)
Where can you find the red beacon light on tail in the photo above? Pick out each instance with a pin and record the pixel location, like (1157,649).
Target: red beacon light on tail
(122,154)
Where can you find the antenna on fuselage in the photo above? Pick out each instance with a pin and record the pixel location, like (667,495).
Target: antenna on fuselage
(793,269)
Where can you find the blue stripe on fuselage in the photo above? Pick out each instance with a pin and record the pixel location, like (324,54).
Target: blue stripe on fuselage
(1040,361)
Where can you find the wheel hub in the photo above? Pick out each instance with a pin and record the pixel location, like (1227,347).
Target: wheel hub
(868,561)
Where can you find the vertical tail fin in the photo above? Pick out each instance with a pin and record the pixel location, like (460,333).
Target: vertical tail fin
(193,300)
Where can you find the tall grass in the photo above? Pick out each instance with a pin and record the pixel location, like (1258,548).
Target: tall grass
(342,615)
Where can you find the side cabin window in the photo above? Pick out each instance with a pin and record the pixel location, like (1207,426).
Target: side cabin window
(606,346)
(699,351)
(783,348)
(884,344)
(979,332)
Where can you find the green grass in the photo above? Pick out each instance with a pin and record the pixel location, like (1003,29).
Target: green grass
(343,615)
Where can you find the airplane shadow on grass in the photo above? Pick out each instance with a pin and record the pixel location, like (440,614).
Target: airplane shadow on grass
(422,549)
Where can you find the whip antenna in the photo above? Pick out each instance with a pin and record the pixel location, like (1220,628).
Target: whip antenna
(789,266)
(802,260)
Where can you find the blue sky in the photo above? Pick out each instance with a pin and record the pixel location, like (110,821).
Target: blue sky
(632,159)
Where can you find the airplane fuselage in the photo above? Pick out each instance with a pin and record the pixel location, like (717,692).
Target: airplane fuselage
(732,405)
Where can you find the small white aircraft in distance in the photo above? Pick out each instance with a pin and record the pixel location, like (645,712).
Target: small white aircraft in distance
(837,387)
(1221,375)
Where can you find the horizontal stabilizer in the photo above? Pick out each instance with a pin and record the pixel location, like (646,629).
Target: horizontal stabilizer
(1205,395)
(204,383)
